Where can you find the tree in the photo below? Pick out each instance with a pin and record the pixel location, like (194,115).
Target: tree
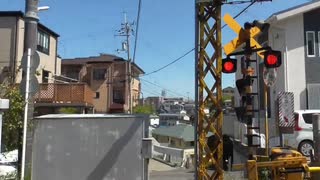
(145,109)
(12,118)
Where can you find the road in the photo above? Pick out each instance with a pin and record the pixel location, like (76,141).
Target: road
(160,171)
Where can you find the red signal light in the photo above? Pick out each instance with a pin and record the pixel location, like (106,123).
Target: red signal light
(229,65)
(272,59)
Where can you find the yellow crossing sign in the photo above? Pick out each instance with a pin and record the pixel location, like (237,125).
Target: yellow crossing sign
(243,36)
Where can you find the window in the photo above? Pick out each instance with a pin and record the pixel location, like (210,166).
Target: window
(43,42)
(97,95)
(99,74)
(319,42)
(307,118)
(45,76)
(118,96)
(311,45)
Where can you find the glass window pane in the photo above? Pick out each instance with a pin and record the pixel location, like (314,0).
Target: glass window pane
(307,118)
(310,43)
(319,41)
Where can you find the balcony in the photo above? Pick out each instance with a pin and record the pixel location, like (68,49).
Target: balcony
(72,94)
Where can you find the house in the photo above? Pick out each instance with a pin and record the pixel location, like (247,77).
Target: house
(107,76)
(228,91)
(154,101)
(179,136)
(12,45)
(296,33)
(167,119)
(52,95)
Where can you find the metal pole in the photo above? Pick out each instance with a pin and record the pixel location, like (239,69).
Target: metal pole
(266,123)
(25,120)
(0,130)
(31,25)
(196,98)
(30,44)
(316,142)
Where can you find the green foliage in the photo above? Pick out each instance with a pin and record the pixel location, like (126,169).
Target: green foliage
(68,110)
(143,109)
(12,118)
(226,97)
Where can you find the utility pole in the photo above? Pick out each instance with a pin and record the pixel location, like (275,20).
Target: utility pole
(126,30)
(30,43)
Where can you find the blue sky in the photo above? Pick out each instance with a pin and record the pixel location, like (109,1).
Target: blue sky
(88,27)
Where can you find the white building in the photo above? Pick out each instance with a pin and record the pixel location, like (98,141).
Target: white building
(296,33)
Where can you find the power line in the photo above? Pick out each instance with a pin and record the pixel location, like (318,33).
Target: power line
(150,92)
(174,61)
(173,92)
(137,30)
(236,16)
(246,8)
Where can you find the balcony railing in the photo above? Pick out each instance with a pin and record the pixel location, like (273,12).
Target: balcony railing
(75,93)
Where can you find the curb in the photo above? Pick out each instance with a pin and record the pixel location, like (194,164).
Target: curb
(165,162)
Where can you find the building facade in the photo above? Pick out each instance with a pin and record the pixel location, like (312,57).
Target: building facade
(12,49)
(296,33)
(107,76)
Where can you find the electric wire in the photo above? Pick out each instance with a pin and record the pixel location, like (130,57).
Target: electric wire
(167,65)
(137,30)
(244,9)
(172,92)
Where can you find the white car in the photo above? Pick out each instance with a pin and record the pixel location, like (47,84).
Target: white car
(302,138)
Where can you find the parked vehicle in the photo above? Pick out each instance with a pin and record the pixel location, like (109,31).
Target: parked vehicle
(302,138)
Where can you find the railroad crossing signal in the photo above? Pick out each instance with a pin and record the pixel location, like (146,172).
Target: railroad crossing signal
(243,36)
(272,59)
(229,65)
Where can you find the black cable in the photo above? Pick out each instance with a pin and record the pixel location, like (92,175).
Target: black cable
(150,92)
(137,30)
(173,92)
(163,67)
(235,17)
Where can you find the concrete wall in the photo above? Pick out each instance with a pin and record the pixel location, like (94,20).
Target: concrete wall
(89,147)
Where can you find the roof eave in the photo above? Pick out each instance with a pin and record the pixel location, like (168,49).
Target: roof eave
(293,12)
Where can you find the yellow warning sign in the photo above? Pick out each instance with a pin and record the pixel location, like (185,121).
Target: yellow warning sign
(243,36)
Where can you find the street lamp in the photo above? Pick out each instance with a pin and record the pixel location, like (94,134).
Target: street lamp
(43,8)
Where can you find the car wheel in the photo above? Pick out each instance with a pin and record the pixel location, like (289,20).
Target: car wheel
(305,147)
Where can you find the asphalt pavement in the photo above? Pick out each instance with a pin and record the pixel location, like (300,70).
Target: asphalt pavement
(161,171)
